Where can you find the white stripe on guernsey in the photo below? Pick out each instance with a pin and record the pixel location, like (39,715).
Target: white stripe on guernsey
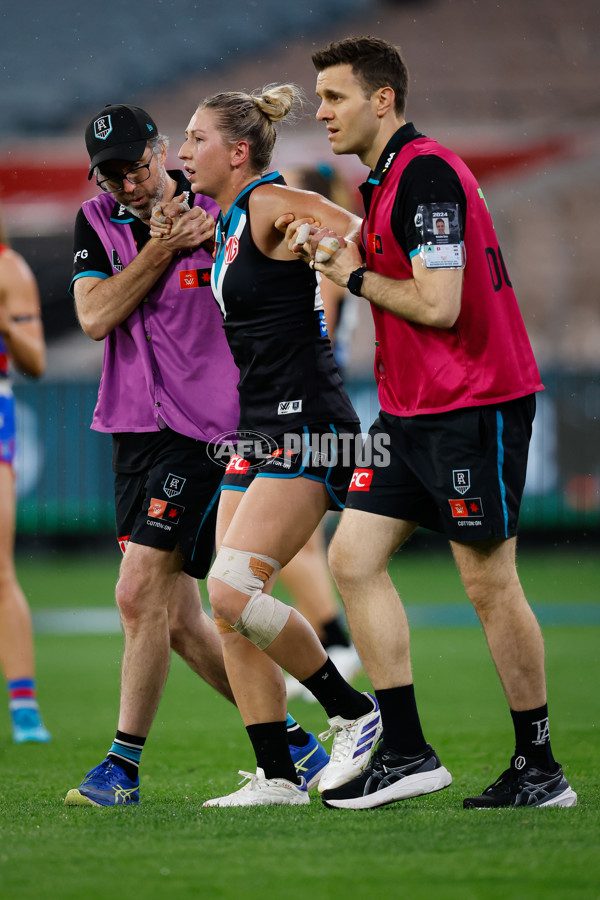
(318,297)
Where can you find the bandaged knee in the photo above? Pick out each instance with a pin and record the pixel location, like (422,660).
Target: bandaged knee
(263,617)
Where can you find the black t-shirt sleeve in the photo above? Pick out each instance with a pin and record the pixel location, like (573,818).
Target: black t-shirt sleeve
(89,255)
(427,179)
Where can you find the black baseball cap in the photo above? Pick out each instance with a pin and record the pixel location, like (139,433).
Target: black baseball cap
(118,132)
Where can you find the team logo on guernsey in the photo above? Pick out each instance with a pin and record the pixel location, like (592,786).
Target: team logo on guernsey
(102,127)
(162,509)
(123,541)
(461,478)
(466,509)
(374,243)
(361,480)
(173,485)
(231,249)
(193,278)
(115,261)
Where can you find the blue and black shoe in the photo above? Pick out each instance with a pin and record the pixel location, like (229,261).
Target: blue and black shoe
(310,760)
(106,785)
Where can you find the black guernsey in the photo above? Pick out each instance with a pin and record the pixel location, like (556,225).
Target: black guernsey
(275,326)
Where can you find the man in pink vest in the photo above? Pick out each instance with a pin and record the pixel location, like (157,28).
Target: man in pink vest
(457,382)
(168,388)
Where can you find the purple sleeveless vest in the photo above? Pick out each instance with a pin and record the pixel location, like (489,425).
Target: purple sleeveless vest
(169,359)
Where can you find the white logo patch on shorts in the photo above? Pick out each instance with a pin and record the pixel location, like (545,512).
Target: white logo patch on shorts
(289,406)
(173,485)
(461,478)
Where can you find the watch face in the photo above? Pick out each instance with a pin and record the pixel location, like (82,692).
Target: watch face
(355,280)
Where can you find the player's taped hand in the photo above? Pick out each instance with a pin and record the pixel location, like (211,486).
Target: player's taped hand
(324,244)
(164,214)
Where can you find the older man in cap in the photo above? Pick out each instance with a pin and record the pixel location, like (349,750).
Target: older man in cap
(168,388)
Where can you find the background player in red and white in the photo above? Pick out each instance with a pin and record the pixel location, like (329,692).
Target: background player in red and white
(22,343)
(457,382)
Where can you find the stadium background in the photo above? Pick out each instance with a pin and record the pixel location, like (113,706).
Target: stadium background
(512,87)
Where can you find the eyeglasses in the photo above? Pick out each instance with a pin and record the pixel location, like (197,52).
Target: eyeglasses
(114,183)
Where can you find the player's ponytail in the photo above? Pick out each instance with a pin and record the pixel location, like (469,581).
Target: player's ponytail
(276,100)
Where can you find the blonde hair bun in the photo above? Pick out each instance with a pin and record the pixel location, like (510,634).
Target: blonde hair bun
(276,100)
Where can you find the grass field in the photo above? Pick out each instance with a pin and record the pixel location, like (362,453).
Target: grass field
(423,848)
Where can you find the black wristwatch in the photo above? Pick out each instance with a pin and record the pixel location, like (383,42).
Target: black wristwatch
(355,281)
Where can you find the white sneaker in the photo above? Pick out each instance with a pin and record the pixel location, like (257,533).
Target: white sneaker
(261,791)
(353,743)
(346,660)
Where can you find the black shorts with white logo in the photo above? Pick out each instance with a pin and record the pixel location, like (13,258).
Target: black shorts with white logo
(325,453)
(172,501)
(461,473)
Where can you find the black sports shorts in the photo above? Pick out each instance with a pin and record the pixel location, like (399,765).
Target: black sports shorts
(172,501)
(461,473)
(325,453)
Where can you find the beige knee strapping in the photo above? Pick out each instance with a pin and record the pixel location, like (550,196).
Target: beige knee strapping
(263,617)
(246,572)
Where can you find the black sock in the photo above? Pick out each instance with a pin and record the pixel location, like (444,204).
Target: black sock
(126,751)
(334,635)
(400,719)
(272,751)
(296,735)
(532,737)
(335,695)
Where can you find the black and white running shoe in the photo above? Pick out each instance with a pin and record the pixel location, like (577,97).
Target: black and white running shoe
(390,777)
(525,785)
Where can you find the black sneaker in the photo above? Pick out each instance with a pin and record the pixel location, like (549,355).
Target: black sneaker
(525,785)
(390,777)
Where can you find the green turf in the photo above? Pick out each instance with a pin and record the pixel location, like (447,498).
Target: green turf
(423,848)
(558,576)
